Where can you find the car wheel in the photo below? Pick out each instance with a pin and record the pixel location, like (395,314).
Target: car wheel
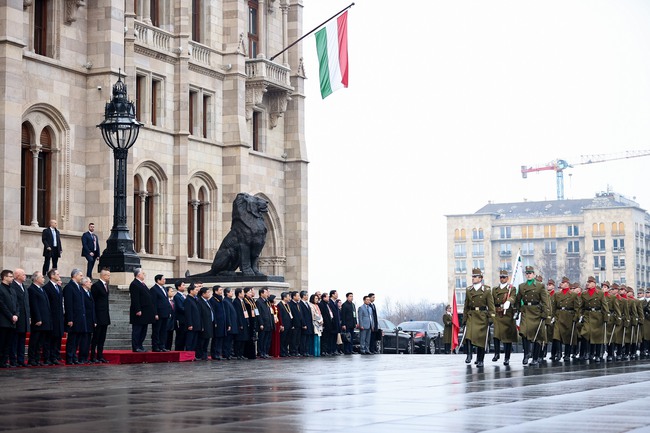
(431,347)
(408,349)
(378,346)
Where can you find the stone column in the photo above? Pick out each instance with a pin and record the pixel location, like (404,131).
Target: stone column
(195,229)
(35,151)
(143,203)
(284,7)
(262,28)
(146,11)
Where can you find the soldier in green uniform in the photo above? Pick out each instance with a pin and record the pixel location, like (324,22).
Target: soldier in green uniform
(645,350)
(550,287)
(505,327)
(478,312)
(638,329)
(579,343)
(595,314)
(447,335)
(630,349)
(532,299)
(626,323)
(566,306)
(640,322)
(614,331)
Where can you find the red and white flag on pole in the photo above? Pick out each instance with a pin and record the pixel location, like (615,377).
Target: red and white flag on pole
(455,325)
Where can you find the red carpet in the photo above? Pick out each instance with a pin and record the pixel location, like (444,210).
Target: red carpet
(129,357)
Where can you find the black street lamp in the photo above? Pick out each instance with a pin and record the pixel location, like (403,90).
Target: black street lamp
(119,130)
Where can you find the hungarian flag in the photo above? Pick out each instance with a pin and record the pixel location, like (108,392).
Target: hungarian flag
(455,325)
(332,48)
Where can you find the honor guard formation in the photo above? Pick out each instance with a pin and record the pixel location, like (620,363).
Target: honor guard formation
(595,324)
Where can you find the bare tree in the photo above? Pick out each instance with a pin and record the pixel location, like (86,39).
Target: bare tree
(398,311)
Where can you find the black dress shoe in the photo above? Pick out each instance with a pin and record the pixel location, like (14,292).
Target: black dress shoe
(496,357)
(479,364)
(525,361)
(506,362)
(103,361)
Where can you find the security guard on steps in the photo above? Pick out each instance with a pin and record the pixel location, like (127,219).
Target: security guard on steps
(478,312)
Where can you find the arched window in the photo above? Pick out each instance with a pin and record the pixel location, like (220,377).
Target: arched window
(148,219)
(36,173)
(144,216)
(621,228)
(456,234)
(463,235)
(137,213)
(601,228)
(197,215)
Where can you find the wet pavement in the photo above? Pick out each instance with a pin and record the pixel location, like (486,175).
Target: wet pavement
(380,393)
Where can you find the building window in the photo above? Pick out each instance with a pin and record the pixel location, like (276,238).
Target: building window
(599,263)
(505,250)
(459,235)
(140,81)
(550,247)
(527,232)
(461,282)
(505,233)
(478,250)
(460,250)
(42,27)
(192,110)
(599,245)
(154,10)
(618,262)
(505,265)
(598,229)
(478,263)
(255,133)
(206,115)
(196,20)
(143,215)
(550,231)
(618,229)
(35,178)
(196,216)
(572,230)
(253,29)
(573,247)
(527,249)
(618,244)
(461,267)
(477,234)
(156,94)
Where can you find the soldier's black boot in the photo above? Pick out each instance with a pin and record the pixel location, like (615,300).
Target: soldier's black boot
(619,352)
(507,347)
(597,349)
(468,349)
(537,348)
(626,352)
(633,351)
(526,345)
(543,352)
(610,353)
(480,355)
(497,350)
(584,346)
(556,351)
(567,353)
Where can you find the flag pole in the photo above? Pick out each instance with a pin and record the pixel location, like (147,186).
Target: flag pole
(312,30)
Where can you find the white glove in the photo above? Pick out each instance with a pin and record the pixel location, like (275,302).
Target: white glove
(506,305)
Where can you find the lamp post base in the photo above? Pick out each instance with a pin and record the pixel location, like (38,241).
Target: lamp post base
(119,255)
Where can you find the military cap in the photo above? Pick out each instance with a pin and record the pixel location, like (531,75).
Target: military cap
(591,279)
(630,289)
(647,290)
(476,272)
(622,287)
(530,269)
(539,278)
(575,285)
(614,286)
(606,283)
(550,282)
(503,273)
(565,280)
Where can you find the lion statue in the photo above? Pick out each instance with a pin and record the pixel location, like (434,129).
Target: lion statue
(242,246)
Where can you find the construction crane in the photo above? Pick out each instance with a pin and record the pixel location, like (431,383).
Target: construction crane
(559,165)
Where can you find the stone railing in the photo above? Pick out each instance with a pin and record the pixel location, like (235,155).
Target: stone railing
(153,37)
(199,53)
(263,69)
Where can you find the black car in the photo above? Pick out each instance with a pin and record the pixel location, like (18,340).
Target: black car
(427,335)
(387,343)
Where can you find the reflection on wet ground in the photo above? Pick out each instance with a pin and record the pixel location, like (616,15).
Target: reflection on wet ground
(381,393)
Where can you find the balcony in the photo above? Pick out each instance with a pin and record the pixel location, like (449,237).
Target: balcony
(154,42)
(266,77)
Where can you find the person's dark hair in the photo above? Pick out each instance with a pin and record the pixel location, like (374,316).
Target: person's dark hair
(203,290)
(247,289)
(284,295)
(332,292)
(158,277)
(312,299)
(348,294)
(5,272)
(50,273)
(262,290)
(227,290)
(216,288)
(303,293)
(366,297)
(271,298)
(238,290)
(370,295)
(178,283)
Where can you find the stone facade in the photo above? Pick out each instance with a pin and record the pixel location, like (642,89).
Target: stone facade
(217,121)
(607,237)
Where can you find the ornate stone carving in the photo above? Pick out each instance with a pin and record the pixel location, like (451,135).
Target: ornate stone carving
(71,7)
(241,46)
(254,96)
(27,3)
(278,106)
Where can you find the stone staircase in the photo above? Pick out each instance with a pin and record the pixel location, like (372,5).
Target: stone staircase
(118,335)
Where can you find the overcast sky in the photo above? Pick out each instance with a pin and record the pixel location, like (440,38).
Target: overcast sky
(447,100)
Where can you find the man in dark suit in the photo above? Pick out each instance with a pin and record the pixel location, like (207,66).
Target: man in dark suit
(99,291)
(328,327)
(221,325)
(54,291)
(307,328)
(296,324)
(376,333)
(89,310)
(41,317)
(207,324)
(348,321)
(241,318)
(162,314)
(142,310)
(284,310)
(336,321)
(231,318)
(75,315)
(52,249)
(8,316)
(192,318)
(179,311)
(17,356)
(264,323)
(90,248)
